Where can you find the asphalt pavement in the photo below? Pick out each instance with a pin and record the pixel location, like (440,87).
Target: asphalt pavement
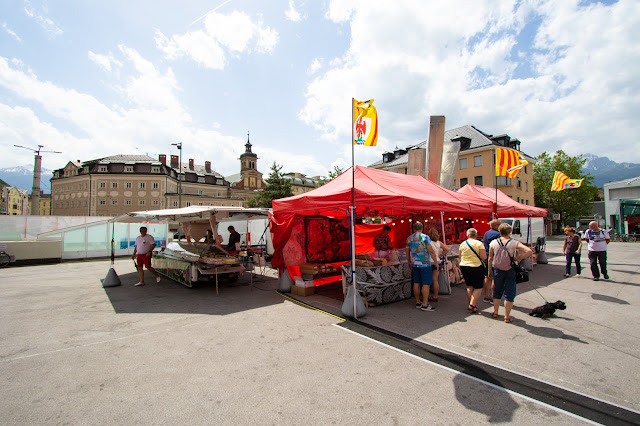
(73,352)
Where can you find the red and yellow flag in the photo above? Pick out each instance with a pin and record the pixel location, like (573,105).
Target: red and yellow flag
(562,181)
(365,123)
(509,162)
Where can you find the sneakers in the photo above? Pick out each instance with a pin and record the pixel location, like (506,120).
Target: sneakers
(577,275)
(488,300)
(418,305)
(606,277)
(137,284)
(428,308)
(158,279)
(596,279)
(567,275)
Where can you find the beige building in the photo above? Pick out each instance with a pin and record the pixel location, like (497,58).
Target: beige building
(475,164)
(245,184)
(300,183)
(123,183)
(14,201)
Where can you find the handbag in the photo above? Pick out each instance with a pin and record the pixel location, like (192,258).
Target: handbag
(484,262)
(443,280)
(522,275)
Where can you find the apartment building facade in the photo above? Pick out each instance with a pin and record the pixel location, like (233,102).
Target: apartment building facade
(475,164)
(45,205)
(123,183)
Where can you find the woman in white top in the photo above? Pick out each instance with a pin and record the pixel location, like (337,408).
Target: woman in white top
(504,276)
(441,250)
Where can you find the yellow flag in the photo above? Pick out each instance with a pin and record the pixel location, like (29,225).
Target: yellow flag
(509,162)
(365,123)
(562,181)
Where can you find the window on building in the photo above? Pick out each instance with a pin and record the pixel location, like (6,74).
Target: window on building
(199,191)
(463,182)
(86,186)
(114,202)
(102,202)
(114,185)
(503,180)
(142,185)
(102,169)
(463,163)
(127,202)
(188,203)
(219,181)
(201,179)
(477,160)
(128,169)
(200,203)
(525,170)
(155,185)
(219,194)
(175,204)
(141,202)
(477,180)
(155,170)
(155,202)
(518,199)
(527,202)
(103,184)
(526,186)
(519,183)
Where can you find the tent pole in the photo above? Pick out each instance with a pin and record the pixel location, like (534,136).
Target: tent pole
(353,206)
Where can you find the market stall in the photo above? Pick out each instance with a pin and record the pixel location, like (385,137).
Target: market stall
(192,260)
(313,227)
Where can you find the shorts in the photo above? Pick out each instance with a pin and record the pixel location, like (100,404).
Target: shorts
(504,283)
(473,276)
(143,260)
(422,275)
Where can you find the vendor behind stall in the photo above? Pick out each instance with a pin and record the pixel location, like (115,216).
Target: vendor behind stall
(382,243)
(234,238)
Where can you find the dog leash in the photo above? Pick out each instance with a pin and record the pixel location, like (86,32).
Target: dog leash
(545,300)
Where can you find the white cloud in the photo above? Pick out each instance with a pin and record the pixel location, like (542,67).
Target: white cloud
(12,33)
(104,61)
(222,35)
(576,87)
(40,17)
(292,14)
(315,66)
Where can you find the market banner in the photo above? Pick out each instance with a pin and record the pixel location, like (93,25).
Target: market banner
(365,123)
(509,162)
(562,181)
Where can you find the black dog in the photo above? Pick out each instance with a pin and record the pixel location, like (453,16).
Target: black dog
(547,309)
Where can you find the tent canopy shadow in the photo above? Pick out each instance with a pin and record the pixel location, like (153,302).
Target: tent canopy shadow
(168,296)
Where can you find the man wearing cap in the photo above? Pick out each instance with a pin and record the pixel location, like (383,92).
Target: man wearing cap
(142,253)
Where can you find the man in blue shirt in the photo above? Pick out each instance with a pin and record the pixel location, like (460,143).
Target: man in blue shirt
(491,235)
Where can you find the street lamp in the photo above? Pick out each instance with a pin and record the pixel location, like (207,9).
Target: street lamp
(179,146)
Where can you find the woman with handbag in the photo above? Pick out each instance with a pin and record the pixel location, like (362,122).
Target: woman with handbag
(503,252)
(472,257)
(441,250)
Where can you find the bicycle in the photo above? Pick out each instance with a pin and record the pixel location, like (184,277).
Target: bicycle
(5,259)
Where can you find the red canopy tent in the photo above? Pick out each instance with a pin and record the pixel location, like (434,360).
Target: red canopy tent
(507,206)
(377,193)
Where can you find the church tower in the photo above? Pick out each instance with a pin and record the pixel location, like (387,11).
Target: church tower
(251,178)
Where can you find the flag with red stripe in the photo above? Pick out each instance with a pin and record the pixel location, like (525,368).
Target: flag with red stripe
(509,162)
(562,181)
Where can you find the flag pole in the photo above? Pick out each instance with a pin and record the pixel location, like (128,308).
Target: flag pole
(353,206)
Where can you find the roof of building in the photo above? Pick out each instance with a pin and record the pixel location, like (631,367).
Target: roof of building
(476,137)
(237,177)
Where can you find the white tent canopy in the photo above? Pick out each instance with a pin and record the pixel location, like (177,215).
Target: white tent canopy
(191,214)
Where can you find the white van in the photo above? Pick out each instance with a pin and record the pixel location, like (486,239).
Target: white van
(536,235)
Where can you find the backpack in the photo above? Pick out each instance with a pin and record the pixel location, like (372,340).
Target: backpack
(501,258)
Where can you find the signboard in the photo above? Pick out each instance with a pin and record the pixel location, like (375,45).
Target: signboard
(556,216)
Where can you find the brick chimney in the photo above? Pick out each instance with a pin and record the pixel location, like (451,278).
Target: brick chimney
(174,161)
(190,163)
(207,166)
(162,158)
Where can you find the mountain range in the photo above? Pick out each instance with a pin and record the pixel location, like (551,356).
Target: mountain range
(602,169)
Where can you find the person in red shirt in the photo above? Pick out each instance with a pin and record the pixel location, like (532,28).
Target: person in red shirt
(142,253)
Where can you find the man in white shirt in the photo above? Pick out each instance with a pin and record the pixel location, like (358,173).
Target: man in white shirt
(598,240)
(142,253)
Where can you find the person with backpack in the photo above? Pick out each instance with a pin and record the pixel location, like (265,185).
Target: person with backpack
(503,252)
(419,254)
(489,236)
(598,240)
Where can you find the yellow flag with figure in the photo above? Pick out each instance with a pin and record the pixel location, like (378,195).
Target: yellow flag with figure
(509,162)
(365,123)
(562,181)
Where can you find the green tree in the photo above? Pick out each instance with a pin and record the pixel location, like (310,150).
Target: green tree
(277,187)
(337,171)
(571,204)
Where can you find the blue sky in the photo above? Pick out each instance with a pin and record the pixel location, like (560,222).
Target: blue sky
(93,79)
